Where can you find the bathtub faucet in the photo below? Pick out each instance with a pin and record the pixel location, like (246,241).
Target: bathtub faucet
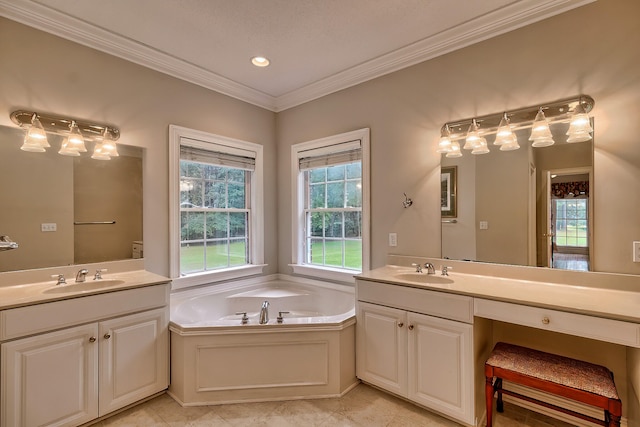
(264,313)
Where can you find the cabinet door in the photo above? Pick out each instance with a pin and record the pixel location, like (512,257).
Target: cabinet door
(381,352)
(51,379)
(441,365)
(134,360)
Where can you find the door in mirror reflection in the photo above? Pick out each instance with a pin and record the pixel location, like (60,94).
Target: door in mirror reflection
(568,233)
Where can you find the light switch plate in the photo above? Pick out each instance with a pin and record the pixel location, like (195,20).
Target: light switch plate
(393,239)
(636,251)
(484,225)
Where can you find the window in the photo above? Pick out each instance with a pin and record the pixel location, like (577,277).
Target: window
(216,228)
(571,222)
(331,206)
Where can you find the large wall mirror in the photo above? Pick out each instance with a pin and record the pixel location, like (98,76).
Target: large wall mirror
(530,206)
(68,210)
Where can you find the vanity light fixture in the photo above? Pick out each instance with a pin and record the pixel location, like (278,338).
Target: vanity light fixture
(475,131)
(76,132)
(260,61)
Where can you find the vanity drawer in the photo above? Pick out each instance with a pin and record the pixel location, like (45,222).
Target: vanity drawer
(38,318)
(598,328)
(439,304)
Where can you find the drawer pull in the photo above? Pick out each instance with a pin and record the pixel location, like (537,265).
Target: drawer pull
(410,327)
(545,320)
(400,324)
(92,339)
(107,336)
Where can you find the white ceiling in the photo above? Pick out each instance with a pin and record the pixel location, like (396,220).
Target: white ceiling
(316,47)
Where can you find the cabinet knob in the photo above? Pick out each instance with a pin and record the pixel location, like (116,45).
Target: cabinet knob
(400,324)
(107,336)
(92,339)
(410,327)
(545,320)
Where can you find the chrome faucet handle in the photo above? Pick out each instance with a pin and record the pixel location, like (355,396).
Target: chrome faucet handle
(244,319)
(60,279)
(98,275)
(430,268)
(445,270)
(280,319)
(417,266)
(81,276)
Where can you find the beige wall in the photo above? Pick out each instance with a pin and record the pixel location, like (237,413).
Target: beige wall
(592,50)
(45,73)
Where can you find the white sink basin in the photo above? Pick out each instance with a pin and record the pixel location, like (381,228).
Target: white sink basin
(84,286)
(423,278)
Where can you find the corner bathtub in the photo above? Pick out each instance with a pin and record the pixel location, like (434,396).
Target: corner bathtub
(216,359)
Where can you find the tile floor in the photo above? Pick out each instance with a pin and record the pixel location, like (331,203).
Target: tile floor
(362,406)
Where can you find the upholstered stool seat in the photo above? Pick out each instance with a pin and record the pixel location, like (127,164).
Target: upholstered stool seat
(574,379)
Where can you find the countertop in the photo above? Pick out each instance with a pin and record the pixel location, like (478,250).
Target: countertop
(605,301)
(20,295)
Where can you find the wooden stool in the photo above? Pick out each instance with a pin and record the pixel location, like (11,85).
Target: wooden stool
(574,379)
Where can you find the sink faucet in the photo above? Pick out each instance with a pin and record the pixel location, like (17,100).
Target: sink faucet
(82,275)
(430,268)
(264,313)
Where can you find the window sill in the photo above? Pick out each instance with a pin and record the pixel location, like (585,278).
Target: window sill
(327,273)
(217,276)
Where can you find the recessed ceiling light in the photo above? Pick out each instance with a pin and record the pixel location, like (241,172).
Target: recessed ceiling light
(260,61)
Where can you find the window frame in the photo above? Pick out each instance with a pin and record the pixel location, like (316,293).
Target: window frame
(298,206)
(190,137)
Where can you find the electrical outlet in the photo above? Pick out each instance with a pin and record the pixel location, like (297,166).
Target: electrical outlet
(393,239)
(47,227)
(636,251)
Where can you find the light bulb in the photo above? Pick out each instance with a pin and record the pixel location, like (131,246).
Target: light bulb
(36,132)
(66,149)
(99,153)
(108,144)
(473,136)
(504,135)
(481,147)
(454,150)
(75,139)
(444,145)
(580,126)
(540,132)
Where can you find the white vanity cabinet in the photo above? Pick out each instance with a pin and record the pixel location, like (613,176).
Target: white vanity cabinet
(116,356)
(417,344)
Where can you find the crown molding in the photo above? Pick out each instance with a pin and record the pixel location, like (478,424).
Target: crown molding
(508,18)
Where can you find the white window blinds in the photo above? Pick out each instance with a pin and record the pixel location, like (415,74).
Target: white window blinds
(332,155)
(200,155)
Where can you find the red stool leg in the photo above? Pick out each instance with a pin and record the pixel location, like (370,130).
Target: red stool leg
(488,390)
(497,386)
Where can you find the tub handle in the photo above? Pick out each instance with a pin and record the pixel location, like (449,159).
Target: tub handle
(244,319)
(280,319)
